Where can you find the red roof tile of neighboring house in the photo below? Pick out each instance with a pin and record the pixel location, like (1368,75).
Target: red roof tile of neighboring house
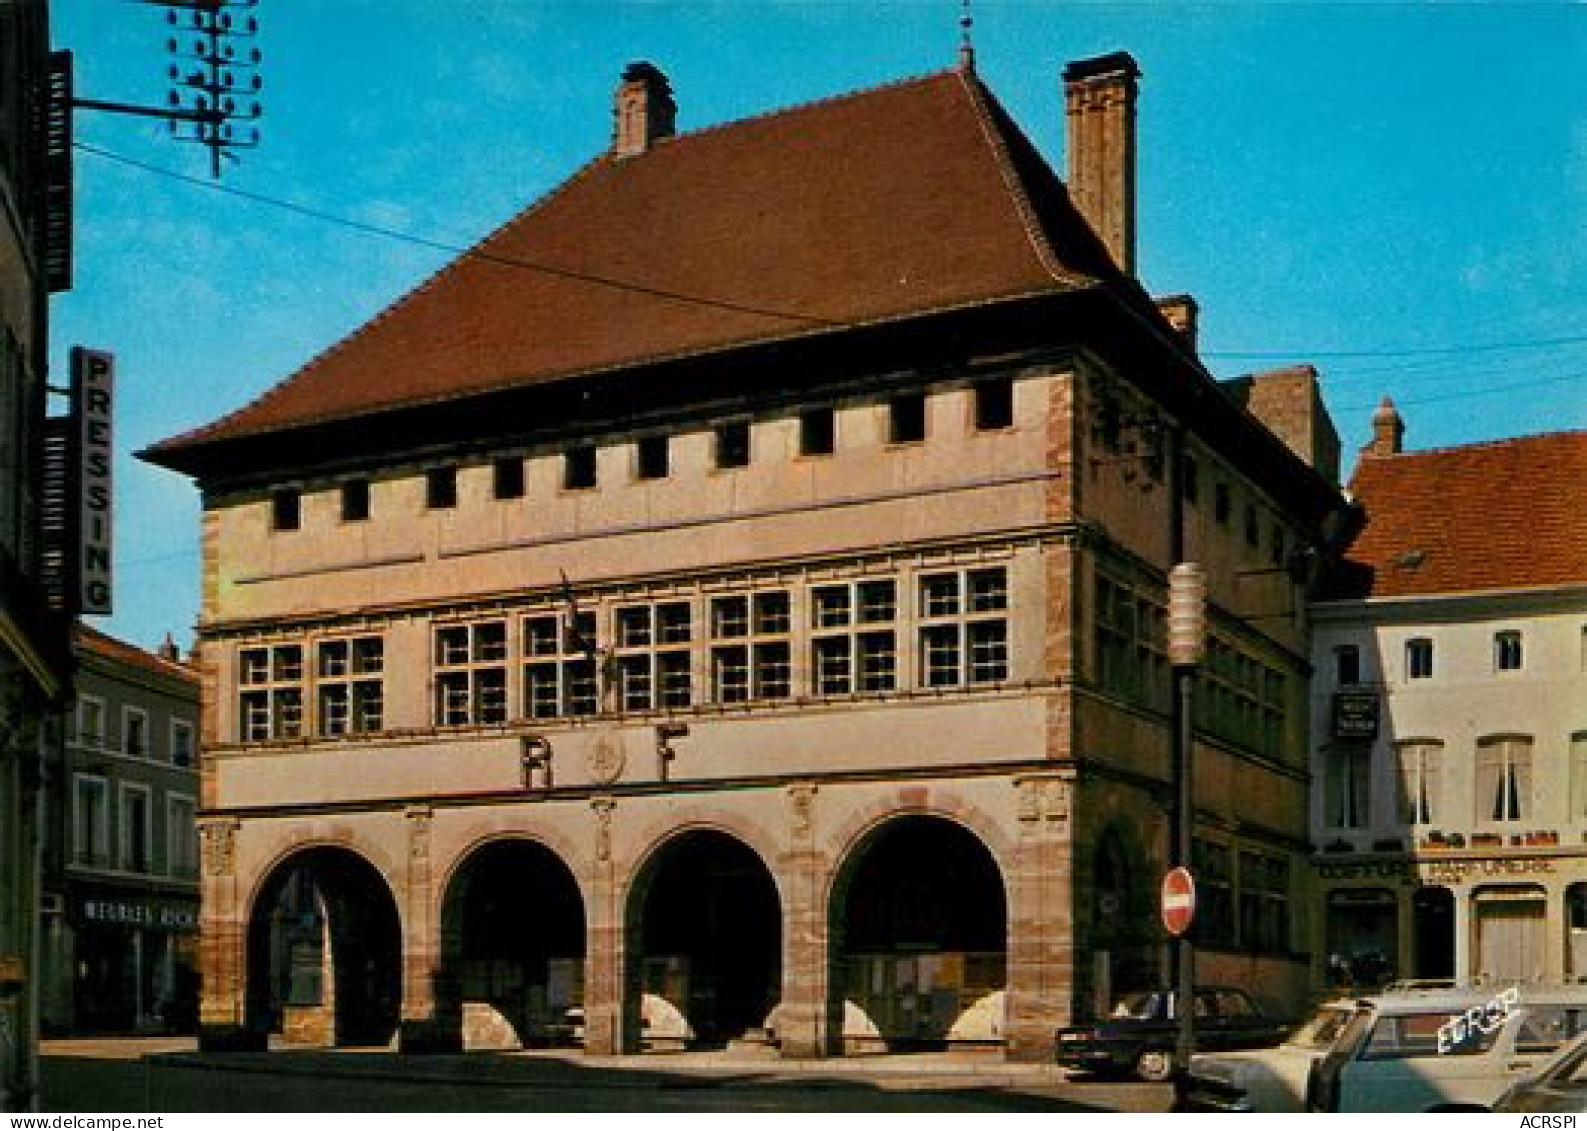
(119,651)
(1511,514)
(906,199)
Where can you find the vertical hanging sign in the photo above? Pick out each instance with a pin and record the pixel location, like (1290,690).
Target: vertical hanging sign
(93,384)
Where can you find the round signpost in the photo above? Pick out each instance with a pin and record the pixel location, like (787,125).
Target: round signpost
(1178,901)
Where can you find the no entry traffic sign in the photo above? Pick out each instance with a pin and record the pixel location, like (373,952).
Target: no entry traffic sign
(1178,901)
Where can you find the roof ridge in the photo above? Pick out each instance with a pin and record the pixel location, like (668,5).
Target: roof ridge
(980,99)
(799,107)
(1475,445)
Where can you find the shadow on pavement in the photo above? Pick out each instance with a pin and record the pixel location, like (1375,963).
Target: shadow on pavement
(378,1080)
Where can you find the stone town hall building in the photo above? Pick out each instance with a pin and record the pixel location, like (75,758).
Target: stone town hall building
(728,604)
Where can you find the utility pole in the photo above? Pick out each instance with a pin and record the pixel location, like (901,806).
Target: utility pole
(214,75)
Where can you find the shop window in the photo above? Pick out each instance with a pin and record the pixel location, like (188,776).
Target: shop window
(1362,937)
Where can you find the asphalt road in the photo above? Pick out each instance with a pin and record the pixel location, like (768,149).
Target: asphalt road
(130,1079)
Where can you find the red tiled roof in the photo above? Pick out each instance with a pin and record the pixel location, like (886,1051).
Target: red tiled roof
(1511,514)
(906,199)
(119,651)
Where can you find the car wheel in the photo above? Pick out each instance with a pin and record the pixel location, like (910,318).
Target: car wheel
(1155,1066)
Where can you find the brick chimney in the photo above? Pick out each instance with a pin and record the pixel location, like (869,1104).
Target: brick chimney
(1388,431)
(1099,112)
(1183,313)
(644,111)
(1289,403)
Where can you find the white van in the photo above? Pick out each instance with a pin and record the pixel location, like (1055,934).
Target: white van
(1443,1050)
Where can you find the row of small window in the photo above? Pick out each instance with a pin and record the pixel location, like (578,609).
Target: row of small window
(1238,698)
(993,406)
(651,663)
(133,852)
(1249,910)
(1503,789)
(1508,656)
(1223,513)
(135,733)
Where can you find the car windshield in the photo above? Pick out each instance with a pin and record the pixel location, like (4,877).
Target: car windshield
(1321,1029)
(1571,1067)
(1142,1006)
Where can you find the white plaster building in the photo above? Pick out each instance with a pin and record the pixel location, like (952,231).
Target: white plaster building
(1450,717)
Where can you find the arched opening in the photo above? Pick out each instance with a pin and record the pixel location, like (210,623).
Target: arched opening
(705,942)
(1123,927)
(325,952)
(512,948)
(1433,924)
(919,938)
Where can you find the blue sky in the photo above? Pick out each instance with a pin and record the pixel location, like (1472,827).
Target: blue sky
(1396,193)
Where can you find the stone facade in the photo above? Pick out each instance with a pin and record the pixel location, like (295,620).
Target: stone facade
(826,706)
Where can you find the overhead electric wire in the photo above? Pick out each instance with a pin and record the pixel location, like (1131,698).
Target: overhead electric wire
(1467,393)
(474,252)
(1431,356)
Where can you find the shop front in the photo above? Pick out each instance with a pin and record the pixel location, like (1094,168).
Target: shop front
(1471,919)
(132,962)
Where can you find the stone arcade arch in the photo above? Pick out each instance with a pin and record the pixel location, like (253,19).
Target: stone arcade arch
(512,947)
(918,930)
(704,931)
(324,951)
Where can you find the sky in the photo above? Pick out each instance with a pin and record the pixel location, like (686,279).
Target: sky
(1395,193)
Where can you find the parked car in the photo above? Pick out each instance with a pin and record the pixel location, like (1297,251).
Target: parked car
(1443,1050)
(1140,1032)
(1559,1086)
(1267,1080)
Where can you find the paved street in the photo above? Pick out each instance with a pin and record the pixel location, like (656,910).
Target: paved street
(168,1076)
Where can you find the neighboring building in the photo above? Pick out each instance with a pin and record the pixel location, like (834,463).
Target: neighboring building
(120,930)
(728,603)
(34,260)
(1450,717)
